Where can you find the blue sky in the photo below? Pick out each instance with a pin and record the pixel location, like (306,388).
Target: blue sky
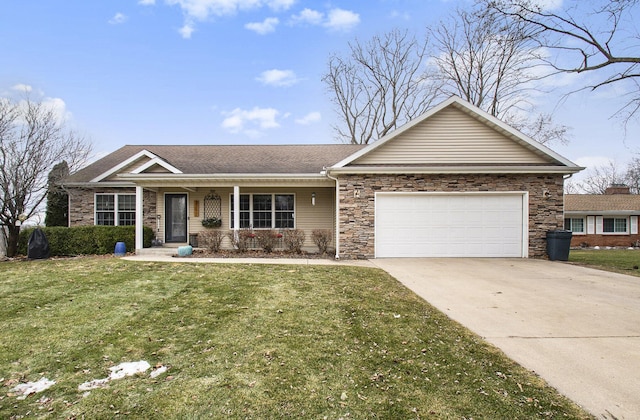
(231,71)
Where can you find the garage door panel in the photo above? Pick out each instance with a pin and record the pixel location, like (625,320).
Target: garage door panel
(456,225)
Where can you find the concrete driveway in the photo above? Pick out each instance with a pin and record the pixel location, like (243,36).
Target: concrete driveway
(578,328)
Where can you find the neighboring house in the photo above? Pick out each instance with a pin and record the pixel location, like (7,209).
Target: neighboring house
(455,182)
(609,219)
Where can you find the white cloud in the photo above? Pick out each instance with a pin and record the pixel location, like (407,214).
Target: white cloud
(280,78)
(310,118)
(342,20)
(335,19)
(22,88)
(550,4)
(280,4)
(187,30)
(265,27)
(250,122)
(202,10)
(147,2)
(309,17)
(118,18)
(400,15)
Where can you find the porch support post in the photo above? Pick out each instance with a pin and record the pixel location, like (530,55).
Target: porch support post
(337,236)
(139,219)
(236,208)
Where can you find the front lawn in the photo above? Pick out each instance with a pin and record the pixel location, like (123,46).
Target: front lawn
(246,341)
(626,261)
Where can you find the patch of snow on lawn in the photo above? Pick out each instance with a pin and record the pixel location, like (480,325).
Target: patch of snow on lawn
(96,383)
(117,372)
(157,372)
(128,369)
(24,390)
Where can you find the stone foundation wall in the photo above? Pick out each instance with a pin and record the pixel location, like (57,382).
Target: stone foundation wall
(357,203)
(82,201)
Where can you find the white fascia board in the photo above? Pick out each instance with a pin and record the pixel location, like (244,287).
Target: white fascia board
(157,161)
(124,164)
(472,109)
(456,170)
(199,177)
(92,184)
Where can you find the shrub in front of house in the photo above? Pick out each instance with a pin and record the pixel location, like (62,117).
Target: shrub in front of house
(211,239)
(86,240)
(267,239)
(322,239)
(293,240)
(241,239)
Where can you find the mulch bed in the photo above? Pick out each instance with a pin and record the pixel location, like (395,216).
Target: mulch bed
(254,253)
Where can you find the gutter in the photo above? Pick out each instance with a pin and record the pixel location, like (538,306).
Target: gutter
(458,170)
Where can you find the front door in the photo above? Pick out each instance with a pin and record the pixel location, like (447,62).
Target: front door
(175,226)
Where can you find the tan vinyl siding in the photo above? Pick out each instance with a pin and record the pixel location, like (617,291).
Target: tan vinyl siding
(451,137)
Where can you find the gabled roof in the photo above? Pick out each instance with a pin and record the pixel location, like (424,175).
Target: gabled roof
(455,136)
(601,203)
(212,159)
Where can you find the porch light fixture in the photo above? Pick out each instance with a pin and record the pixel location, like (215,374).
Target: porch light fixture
(313,199)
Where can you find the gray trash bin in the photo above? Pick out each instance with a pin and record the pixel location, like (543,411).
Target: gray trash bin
(558,244)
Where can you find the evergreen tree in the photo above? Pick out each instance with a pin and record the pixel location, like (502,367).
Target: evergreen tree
(57,199)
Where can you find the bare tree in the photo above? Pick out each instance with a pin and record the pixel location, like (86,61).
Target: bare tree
(495,64)
(32,140)
(597,36)
(632,177)
(379,86)
(600,178)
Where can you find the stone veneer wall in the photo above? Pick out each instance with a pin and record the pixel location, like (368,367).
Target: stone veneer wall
(357,209)
(81,205)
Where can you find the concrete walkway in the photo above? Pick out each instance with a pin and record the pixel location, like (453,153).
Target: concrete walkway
(578,328)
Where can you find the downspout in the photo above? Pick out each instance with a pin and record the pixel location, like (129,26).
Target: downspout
(337,235)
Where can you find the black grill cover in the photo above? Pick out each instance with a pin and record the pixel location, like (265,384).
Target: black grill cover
(38,245)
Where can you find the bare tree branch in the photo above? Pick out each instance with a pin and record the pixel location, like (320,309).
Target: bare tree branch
(494,64)
(590,36)
(379,86)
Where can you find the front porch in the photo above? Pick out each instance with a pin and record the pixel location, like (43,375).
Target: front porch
(181,213)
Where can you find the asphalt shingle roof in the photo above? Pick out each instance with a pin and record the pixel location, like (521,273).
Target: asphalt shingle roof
(239,159)
(595,203)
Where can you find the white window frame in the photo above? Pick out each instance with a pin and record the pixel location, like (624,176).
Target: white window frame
(626,222)
(116,210)
(570,227)
(273,210)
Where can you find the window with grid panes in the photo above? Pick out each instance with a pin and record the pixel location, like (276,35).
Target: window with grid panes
(265,211)
(115,209)
(575,225)
(614,225)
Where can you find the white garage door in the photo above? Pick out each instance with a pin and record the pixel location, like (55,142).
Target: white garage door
(450,225)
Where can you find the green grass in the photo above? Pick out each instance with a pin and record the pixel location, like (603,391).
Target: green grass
(626,261)
(248,341)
